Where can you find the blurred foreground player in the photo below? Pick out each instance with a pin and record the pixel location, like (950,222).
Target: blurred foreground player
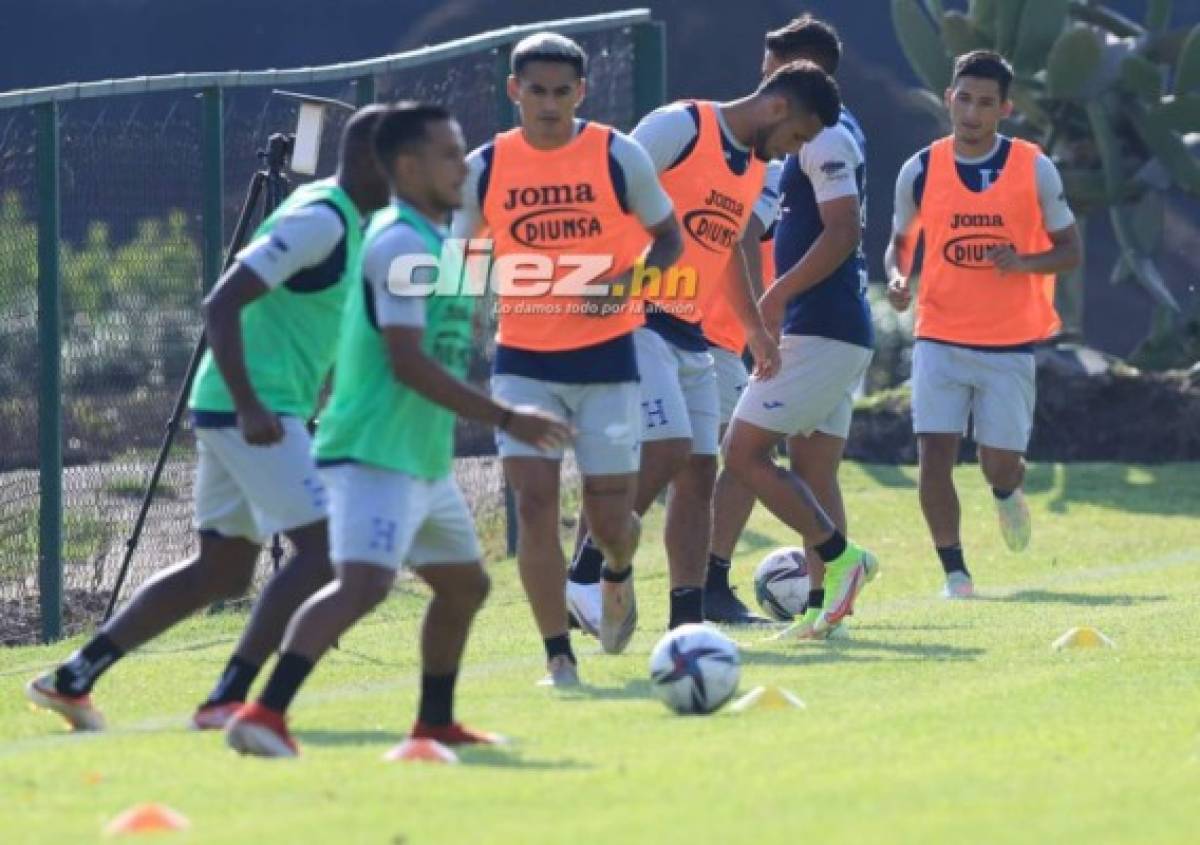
(386,442)
(272,326)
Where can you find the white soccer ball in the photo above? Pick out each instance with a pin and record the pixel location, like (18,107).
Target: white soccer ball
(695,669)
(781,583)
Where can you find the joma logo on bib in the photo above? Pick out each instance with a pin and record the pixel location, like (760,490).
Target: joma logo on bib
(972,252)
(976,221)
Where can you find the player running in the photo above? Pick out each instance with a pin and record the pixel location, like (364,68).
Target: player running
(572,191)
(386,443)
(272,326)
(820,302)
(996,228)
(712,159)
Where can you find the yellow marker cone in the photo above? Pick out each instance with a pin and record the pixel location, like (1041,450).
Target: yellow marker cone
(768,698)
(1083,637)
(421,750)
(146,818)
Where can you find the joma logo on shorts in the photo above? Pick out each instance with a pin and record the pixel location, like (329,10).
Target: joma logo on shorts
(972,252)
(976,221)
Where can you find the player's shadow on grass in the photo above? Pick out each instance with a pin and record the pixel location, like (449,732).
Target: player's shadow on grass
(336,738)
(1081,599)
(634,688)
(753,541)
(889,475)
(861,650)
(507,758)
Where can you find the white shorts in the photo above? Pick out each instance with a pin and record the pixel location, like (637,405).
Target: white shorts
(256,491)
(996,390)
(388,518)
(732,378)
(679,393)
(813,390)
(605,417)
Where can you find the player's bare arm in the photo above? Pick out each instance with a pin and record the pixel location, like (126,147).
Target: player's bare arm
(897,263)
(761,339)
(752,255)
(223,328)
(1063,257)
(426,376)
(663,251)
(842,233)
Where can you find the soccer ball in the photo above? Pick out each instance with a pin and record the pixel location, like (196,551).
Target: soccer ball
(695,669)
(781,583)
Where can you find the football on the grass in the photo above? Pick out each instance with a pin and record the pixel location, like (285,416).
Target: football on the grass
(695,669)
(781,583)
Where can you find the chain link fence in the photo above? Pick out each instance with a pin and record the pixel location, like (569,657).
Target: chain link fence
(132,193)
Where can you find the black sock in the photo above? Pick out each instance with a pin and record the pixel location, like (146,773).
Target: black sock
(717,575)
(832,548)
(437,699)
(559,645)
(816,599)
(585,569)
(952,559)
(1001,494)
(81,671)
(290,672)
(234,683)
(615,577)
(687,605)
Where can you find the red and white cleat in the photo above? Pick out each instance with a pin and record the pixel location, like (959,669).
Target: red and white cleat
(455,734)
(215,717)
(257,730)
(77,710)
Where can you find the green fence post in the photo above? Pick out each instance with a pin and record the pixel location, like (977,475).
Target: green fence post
(50,516)
(649,67)
(213,145)
(505,110)
(364,91)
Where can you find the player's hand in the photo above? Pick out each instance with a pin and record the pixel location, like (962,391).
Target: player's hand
(538,428)
(765,350)
(259,426)
(1006,260)
(899,294)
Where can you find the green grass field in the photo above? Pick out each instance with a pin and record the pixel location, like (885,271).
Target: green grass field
(935,722)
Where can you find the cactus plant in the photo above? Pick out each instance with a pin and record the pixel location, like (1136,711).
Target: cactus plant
(1115,101)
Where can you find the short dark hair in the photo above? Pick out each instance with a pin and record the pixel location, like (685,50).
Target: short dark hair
(403,126)
(807,86)
(359,132)
(548,47)
(809,38)
(985,64)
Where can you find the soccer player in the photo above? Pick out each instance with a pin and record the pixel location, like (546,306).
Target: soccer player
(570,191)
(712,159)
(820,302)
(272,326)
(386,442)
(996,228)
(808,38)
